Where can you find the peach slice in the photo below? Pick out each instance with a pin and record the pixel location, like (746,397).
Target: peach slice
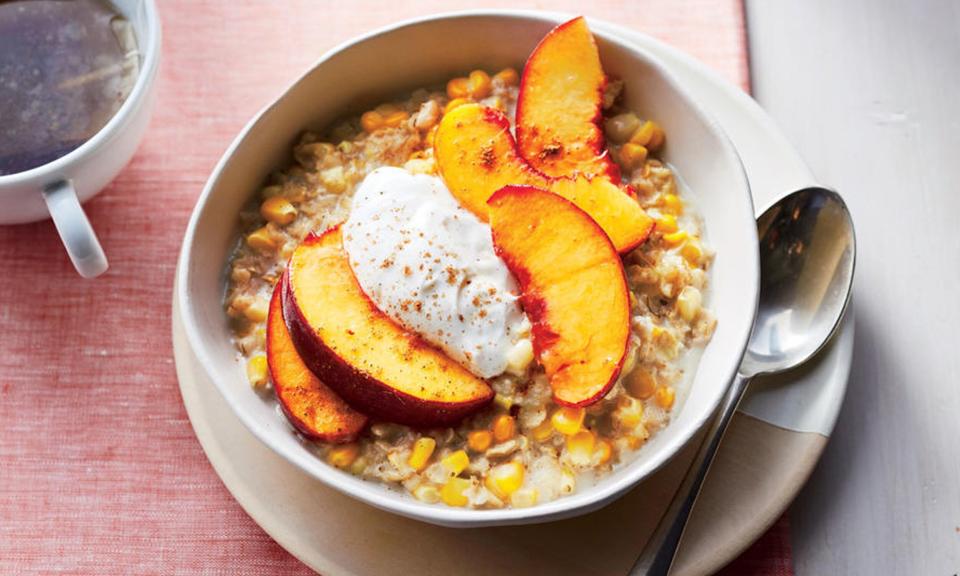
(477,156)
(560,105)
(572,287)
(366,358)
(311,407)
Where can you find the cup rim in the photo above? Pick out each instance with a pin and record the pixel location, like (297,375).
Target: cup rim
(39,175)
(364,491)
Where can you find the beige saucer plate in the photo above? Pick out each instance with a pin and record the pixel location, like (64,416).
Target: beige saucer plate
(760,467)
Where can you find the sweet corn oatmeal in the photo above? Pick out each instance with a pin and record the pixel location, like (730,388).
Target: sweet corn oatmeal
(523,449)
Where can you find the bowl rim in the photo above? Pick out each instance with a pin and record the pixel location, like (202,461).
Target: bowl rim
(393,501)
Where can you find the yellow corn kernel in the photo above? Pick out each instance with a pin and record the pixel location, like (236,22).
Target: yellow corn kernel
(456,102)
(456,462)
(524,497)
(641,384)
(395,119)
(580,447)
(458,88)
(632,155)
(260,240)
(650,134)
(334,179)
(621,127)
(421,452)
(371,121)
(666,224)
(257,370)
(689,302)
(257,311)
(504,428)
(567,420)
(503,401)
(343,456)
(603,450)
(665,397)
(568,481)
(358,466)
(635,442)
(278,210)
(480,85)
(452,492)
(676,238)
(505,479)
(629,413)
(506,77)
(427,493)
(692,252)
(479,440)
(671,203)
(544,431)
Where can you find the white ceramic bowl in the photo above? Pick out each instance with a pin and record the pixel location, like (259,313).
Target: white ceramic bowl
(412,54)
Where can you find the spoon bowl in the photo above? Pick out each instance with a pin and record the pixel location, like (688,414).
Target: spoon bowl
(807,256)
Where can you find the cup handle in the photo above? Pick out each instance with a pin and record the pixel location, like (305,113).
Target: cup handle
(75,230)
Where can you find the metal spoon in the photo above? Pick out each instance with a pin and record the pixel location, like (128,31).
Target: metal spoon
(807,255)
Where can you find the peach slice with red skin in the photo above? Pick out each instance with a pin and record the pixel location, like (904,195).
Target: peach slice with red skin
(572,286)
(560,105)
(373,363)
(477,156)
(313,408)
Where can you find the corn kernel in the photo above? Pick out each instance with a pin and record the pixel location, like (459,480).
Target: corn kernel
(420,166)
(603,450)
(568,481)
(665,397)
(261,240)
(343,456)
(641,384)
(580,447)
(455,103)
(629,413)
(632,155)
(504,427)
(630,362)
(692,252)
(650,134)
(506,77)
(257,311)
(458,88)
(635,442)
(395,119)
(278,210)
(675,238)
(452,492)
(257,370)
(503,401)
(371,121)
(427,493)
(480,85)
(567,420)
(543,431)
(505,479)
(524,497)
(358,466)
(621,127)
(479,440)
(334,179)
(689,302)
(671,203)
(456,462)
(421,452)
(666,224)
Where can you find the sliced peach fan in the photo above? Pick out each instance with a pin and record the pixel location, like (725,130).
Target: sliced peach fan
(560,106)
(573,289)
(369,360)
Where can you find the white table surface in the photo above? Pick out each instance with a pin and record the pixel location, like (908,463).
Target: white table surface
(869,91)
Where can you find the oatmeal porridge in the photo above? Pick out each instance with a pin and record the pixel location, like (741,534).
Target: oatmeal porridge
(516,445)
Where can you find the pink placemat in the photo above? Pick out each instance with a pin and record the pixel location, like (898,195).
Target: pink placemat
(100,472)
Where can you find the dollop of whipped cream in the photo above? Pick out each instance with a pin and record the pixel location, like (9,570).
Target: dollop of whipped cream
(429,264)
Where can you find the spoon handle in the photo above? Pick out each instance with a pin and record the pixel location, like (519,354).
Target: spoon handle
(658,554)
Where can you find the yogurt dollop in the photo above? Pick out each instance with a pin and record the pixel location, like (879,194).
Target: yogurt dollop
(429,264)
